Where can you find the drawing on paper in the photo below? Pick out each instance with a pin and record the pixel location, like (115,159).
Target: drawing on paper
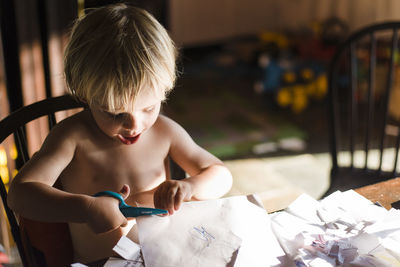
(202,234)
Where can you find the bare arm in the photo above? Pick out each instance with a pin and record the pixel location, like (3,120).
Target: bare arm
(208,177)
(33,196)
(32,193)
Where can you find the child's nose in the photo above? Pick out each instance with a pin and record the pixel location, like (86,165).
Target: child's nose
(130,122)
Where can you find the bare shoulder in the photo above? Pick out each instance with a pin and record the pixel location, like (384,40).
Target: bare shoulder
(164,121)
(68,131)
(177,135)
(74,125)
(168,126)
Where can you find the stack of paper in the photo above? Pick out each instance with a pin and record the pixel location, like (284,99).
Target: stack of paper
(344,229)
(232,231)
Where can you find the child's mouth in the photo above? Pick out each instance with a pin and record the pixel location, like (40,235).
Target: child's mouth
(128,140)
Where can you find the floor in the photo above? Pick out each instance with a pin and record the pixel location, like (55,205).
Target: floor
(280,180)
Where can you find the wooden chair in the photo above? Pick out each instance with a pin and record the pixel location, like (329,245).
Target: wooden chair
(33,238)
(364,107)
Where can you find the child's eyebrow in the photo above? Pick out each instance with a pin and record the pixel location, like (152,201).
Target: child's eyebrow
(119,111)
(111,112)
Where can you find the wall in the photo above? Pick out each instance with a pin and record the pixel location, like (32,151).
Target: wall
(194,22)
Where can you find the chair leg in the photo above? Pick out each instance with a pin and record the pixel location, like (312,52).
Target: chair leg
(5,240)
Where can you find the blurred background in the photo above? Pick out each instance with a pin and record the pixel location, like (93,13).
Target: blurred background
(252,79)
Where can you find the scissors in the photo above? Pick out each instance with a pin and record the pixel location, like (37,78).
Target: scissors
(129,211)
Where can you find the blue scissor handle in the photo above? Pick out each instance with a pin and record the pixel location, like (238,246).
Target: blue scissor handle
(130,211)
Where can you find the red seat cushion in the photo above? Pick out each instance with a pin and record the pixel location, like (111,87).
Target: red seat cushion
(52,239)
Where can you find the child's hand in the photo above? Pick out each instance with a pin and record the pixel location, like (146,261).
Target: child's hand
(105,215)
(171,193)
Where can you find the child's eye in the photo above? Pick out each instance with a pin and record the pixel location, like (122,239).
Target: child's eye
(149,109)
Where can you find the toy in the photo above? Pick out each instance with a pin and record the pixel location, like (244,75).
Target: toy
(292,83)
(288,76)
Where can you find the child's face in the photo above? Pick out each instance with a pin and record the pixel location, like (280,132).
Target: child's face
(127,125)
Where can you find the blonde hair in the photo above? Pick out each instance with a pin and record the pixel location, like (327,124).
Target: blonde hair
(115,52)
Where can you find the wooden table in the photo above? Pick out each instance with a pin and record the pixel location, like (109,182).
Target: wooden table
(385,193)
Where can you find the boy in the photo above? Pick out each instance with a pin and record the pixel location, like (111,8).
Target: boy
(121,62)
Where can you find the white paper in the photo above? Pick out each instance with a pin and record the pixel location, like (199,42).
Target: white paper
(304,207)
(210,233)
(130,253)
(127,249)
(78,265)
(344,229)
(117,262)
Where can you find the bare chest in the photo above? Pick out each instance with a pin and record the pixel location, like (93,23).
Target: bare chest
(103,166)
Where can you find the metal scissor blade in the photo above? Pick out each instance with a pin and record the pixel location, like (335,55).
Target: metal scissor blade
(137,211)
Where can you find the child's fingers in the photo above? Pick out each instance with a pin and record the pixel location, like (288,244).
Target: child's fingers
(106,228)
(169,196)
(179,196)
(125,191)
(158,198)
(161,198)
(124,223)
(171,199)
(121,221)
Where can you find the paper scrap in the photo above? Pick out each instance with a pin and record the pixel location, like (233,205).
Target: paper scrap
(343,229)
(117,262)
(130,253)
(127,249)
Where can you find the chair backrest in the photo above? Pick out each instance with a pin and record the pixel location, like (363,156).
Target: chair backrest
(14,124)
(364,101)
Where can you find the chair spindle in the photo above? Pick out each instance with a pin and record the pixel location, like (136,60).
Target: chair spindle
(387,95)
(353,105)
(21,144)
(52,120)
(371,92)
